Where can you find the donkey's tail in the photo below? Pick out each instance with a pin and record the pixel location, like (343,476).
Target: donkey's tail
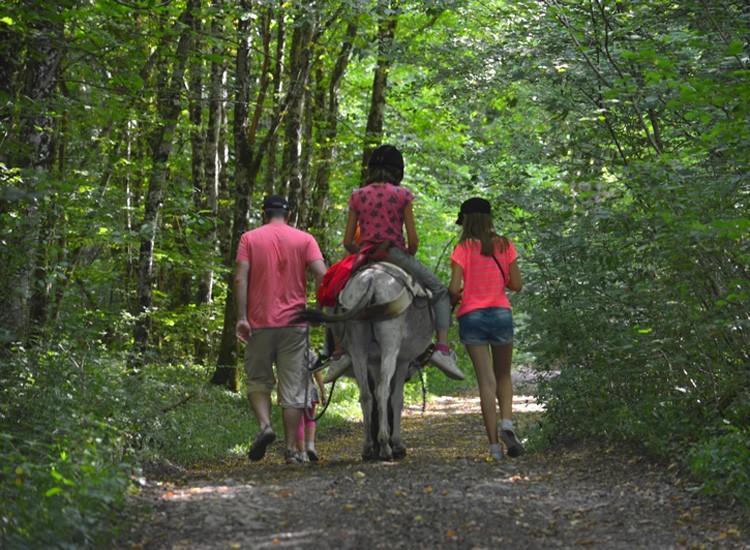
(316,316)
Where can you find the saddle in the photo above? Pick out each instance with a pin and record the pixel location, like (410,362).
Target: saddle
(410,290)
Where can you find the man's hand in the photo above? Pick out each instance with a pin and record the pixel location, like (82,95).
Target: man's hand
(242,330)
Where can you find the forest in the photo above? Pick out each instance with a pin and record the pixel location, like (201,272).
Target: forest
(139,137)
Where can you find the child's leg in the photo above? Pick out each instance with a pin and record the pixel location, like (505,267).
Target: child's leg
(501,360)
(310,430)
(480,357)
(301,433)
(440,298)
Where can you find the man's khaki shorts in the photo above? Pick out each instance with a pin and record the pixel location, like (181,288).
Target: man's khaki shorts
(284,346)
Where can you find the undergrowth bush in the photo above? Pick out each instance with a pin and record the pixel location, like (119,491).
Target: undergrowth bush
(75,427)
(64,452)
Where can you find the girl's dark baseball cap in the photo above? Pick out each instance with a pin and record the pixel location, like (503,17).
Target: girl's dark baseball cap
(474,205)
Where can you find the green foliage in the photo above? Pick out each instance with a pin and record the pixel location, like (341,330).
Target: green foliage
(64,452)
(721,461)
(612,139)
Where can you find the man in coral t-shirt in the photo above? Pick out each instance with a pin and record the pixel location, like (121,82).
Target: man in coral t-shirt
(270,288)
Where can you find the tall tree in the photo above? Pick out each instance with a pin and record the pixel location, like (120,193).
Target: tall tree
(387,16)
(249,153)
(299,68)
(161,143)
(270,183)
(327,130)
(25,296)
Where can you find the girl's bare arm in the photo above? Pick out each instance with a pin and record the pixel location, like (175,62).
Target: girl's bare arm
(351,228)
(411,230)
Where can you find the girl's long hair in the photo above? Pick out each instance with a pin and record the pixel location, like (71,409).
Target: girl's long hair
(479,227)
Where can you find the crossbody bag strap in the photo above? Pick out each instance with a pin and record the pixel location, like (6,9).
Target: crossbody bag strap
(502,271)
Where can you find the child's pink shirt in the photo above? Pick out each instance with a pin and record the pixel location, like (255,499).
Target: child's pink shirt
(277,285)
(380,212)
(484,285)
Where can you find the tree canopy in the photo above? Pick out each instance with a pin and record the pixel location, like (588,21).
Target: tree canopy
(138,137)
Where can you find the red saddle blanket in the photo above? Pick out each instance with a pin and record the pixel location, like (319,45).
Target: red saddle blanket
(336,278)
(339,274)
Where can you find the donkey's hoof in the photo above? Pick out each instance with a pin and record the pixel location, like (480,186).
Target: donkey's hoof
(385,453)
(369,454)
(399,452)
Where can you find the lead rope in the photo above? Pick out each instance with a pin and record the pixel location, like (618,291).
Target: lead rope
(422,359)
(310,369)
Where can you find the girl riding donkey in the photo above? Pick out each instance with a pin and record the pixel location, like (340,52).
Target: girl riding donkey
(381,209)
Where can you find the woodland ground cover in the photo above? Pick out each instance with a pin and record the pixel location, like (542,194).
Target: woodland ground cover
(138,137)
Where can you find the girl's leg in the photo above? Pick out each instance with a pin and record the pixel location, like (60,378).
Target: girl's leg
(312,454)
(480,357)
(501,360)
(443,357)
(440,298)
(310,430)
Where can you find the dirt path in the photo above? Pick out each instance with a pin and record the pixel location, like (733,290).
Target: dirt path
(443,494)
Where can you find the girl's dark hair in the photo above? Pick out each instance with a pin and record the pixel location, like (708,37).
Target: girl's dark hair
(479,227)
(380,174)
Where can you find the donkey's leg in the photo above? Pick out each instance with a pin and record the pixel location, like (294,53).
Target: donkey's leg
(388,334)
(359,341)
(397,403)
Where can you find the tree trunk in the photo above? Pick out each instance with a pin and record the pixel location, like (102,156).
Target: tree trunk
(161,143)
(310,115)
(278,71)
(299,69)
(226,372)
(327,135)
(213,157)
(249,157)
(24,300)
(387,20)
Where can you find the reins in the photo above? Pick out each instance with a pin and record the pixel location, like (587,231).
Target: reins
(310,370)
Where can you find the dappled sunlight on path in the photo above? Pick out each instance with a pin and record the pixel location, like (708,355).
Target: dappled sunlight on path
(445,493)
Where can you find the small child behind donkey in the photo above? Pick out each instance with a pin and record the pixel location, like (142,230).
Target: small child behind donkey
(307,425)
(484,263)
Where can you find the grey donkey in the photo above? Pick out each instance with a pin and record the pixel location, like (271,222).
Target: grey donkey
(385,322)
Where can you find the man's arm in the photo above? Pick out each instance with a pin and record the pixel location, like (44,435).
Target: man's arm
(318,270)
(241,277)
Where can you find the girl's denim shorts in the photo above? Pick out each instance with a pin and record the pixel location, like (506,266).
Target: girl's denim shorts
(491,325)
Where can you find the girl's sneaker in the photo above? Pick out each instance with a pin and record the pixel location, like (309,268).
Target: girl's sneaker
(446,362)
(511,443)
(295,457)
(496,452)
(337,365)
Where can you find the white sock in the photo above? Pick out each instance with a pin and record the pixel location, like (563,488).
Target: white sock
(506,424)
